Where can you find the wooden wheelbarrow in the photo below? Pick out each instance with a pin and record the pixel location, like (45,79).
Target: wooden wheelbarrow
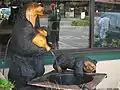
(67,81)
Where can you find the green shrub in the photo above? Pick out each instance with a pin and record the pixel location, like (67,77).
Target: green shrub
(112,40)
(81,22)
(6,84)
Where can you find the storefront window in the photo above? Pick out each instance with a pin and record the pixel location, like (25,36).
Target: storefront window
(72,32)
(75,29)
(107,24)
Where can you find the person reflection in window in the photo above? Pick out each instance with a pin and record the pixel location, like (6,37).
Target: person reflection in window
(54,25)
(104,24)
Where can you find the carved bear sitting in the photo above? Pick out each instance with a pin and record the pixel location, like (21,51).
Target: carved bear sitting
(27,59)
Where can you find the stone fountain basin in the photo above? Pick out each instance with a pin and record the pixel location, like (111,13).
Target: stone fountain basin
(68,78)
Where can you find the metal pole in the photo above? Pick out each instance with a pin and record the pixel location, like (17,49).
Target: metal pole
(64,8)
(91,31)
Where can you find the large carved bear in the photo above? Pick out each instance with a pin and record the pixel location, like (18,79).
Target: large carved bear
(27,59)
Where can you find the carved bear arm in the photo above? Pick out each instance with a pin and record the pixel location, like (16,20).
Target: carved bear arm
(30,47)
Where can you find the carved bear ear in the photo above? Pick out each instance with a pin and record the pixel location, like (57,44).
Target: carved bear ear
(40,4)
(39,9)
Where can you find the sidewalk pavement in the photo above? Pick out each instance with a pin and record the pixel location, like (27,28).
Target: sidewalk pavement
(111,68)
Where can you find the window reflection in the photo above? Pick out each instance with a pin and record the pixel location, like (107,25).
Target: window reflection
(107,24)
(74,23)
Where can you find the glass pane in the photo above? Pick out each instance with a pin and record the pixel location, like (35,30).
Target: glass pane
(107,23)
(73,32)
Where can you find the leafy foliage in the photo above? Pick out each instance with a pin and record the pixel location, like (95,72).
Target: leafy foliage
(81,22)
(6,84)
(112,40)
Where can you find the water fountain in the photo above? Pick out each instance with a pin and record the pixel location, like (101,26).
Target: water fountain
(67,80)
